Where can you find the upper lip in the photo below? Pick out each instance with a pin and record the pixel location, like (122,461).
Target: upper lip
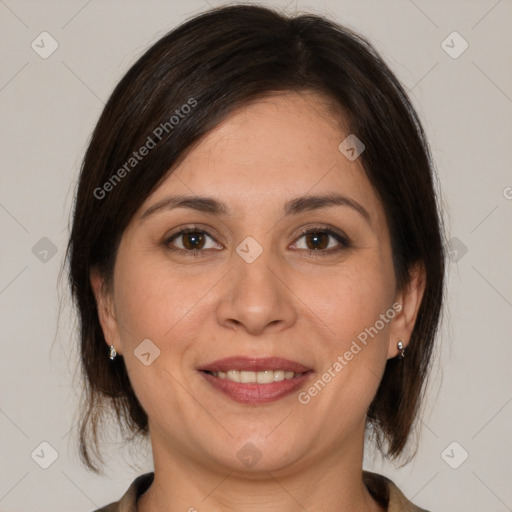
(253,364)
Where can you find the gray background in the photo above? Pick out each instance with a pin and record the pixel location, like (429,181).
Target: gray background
(49,107)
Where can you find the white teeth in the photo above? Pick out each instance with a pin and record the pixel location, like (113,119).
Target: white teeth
(263,377)
(246,377)
(278,375)
(234,375)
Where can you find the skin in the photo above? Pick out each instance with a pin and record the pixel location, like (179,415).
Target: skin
(290,302)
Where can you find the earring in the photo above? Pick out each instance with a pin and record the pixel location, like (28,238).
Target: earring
(401,348)
(113,352)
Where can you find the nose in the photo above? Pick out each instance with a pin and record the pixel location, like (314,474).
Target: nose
(256,297)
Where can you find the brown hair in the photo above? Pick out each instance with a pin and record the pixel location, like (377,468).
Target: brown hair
(221,60)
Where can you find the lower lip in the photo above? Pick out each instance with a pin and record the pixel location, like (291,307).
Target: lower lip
(255,393)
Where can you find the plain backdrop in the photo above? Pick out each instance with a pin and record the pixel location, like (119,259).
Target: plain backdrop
(49,107)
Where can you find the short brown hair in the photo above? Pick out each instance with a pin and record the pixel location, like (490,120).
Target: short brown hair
(223,59)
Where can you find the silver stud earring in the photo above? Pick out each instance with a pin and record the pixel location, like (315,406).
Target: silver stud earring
(113,352)
(401,348)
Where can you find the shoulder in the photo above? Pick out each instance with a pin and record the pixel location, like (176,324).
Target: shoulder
(388,494)
(128,502)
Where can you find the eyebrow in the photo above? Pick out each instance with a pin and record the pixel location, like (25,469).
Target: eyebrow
(291,207)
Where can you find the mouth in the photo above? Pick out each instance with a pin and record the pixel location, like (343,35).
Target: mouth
(262,377)
(255,381)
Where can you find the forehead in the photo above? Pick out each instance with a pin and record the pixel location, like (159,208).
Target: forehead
(280,146)
(277,136)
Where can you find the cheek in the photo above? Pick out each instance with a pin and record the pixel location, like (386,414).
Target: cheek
(356,305)
(352,298)
(151,301)
(156,304)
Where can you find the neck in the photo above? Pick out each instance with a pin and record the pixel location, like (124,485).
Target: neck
(333,483)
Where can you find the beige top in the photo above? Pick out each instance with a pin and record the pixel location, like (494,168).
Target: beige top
(380,487)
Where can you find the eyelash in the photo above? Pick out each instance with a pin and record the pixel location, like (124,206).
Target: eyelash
(342,239)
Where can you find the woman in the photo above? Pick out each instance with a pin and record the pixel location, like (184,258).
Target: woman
(257,261)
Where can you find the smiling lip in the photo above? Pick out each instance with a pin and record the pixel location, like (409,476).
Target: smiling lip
(256,393)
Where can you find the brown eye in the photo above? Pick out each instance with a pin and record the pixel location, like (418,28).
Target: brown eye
(317,241)
(192,240)
(322,241)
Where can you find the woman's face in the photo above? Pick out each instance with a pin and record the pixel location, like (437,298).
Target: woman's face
(246,283)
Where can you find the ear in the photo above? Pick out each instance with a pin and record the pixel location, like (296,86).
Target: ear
(106,312)
(410,300)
